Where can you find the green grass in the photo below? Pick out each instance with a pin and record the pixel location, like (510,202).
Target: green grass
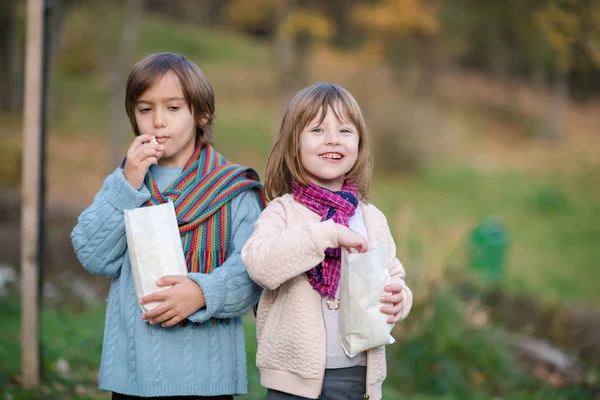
(75,337)
(552,223)
(436,360)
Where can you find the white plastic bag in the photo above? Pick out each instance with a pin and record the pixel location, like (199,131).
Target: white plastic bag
(362,325)
(155,248)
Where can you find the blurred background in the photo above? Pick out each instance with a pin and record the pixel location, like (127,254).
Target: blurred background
(484,121)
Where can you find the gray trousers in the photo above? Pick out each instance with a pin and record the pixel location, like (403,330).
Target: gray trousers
(339,384)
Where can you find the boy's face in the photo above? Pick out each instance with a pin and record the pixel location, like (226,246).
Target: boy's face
(329,150)
(163,112)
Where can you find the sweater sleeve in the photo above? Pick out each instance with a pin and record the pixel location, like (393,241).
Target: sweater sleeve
(228,290)
(99,236)
(276,252)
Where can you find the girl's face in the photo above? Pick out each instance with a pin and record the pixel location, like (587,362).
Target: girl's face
(328,150)
(163,112)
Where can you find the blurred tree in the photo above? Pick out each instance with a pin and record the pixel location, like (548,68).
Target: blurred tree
(572,28)
(128,48)
(387,22)
(294,25)
(12,42)
(202,13)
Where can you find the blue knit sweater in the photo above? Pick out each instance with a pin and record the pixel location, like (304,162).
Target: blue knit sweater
(143,360)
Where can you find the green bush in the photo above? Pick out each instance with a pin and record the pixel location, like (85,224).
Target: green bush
(443,354)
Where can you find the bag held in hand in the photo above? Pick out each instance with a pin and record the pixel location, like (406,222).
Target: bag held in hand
(362,325)
(154,246)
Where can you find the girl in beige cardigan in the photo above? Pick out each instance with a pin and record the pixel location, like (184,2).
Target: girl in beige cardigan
(318,177)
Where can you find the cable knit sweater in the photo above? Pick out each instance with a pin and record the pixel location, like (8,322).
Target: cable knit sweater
(288,240)
(144,360)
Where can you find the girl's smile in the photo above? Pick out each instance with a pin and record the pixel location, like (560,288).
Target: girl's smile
(332,157)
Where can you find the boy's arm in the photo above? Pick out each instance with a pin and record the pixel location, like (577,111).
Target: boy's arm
(276,253)
(228,290)
(99,236)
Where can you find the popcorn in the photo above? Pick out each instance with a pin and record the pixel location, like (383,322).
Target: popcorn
(154,141)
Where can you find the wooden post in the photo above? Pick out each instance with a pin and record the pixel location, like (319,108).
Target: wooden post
(32,192)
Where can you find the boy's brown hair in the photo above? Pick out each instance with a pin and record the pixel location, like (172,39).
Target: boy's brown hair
(196,89)
(284,164)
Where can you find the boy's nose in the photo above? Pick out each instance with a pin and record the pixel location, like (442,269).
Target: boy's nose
(159,122)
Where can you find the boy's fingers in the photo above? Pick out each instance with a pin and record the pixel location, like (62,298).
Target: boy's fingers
(139,140)
(155,312)
(151,161)
(172,322)
(163,317)
(156,296)
(170,280)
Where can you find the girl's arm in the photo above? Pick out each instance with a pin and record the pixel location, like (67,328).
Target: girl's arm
(99,236)
(397,293)
(276,253)
(228,290)
(398,275)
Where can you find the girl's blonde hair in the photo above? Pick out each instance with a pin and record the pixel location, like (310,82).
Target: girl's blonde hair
(284,164)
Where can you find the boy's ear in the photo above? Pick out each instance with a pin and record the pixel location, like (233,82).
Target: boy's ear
(202,122)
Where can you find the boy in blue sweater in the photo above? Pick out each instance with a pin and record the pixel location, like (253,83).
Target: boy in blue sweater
(192,344)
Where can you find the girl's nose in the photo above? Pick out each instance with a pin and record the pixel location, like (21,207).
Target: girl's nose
(332,137)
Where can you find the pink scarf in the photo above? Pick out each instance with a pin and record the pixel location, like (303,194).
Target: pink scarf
(339,206)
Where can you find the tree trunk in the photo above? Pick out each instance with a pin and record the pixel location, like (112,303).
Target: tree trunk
(555,120)
(299,73)
(427,64)
(197,13)
(129,40)
(283,50)
(11,56)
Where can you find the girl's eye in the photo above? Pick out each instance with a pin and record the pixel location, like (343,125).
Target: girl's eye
(144,110)
(346,131)
(318,130)
(174,108)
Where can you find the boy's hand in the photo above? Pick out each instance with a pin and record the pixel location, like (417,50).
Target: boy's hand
(350,239)
(140,156)
(394,297)
(178,302)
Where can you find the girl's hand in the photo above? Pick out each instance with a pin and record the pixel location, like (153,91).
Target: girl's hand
(140,156)
(349,239)
(178,302)
(393,296)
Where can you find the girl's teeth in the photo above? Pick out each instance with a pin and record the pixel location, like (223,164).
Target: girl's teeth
(332,156)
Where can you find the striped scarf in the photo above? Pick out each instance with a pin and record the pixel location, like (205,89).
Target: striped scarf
(202,197)
(339,206)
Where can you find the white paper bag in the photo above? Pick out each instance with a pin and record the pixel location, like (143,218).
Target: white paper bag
(362,325)
(155,248)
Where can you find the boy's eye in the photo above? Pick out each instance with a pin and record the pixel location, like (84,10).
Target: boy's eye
(174,108)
